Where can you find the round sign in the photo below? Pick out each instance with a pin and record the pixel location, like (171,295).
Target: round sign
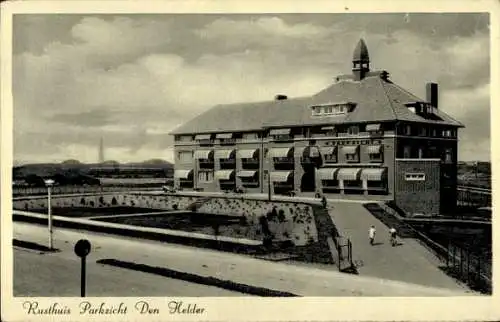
(82,248)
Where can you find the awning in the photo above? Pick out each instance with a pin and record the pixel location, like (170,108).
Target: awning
(224,136)
(202,137)
(281,152)
(327,173)
(246,173)
(350,149)
(223,174)
(279,131)
(183,174)
(247,154)
(374,149)
(372,127)
(348,174)
(223,154)
(327,150)
(203,154)
(328,128)
(375,174)
(280,176)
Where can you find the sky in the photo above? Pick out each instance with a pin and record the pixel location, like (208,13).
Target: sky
(131,79)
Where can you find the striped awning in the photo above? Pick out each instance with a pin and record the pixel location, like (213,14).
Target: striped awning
(327,173)
(203,154)
(247,154)
(224,154)
(280,176)
(183,174)
(279,131)
(374,149)
(375,174)
(281,152)
(373,127)
(246,173)
(224,174)
(348,174)
(350,149)
(202,137)
(327,150)
(224,136)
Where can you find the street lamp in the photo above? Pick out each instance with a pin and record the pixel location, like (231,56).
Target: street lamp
(49,183)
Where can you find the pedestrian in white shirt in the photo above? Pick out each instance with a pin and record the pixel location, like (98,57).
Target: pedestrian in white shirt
(393,234)
(371,234)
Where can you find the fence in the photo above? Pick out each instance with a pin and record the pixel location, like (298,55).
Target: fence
(344,251)
(34,191)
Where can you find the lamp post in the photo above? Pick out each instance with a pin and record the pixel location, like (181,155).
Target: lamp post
(49,183)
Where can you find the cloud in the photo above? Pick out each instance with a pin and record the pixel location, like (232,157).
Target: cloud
(260,27)
(132,80)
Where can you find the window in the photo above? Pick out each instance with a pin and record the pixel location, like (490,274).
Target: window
(407,152)
(423,131)
(353,130)
(447,133)
(185,156)
(183,138)
(331,157)
(376,157)
(448,155)
(205,176)
(407,130)
(415,176)
(332,109)
(420,153)
(250,136)
(352,157)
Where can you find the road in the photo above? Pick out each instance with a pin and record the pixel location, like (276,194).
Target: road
(58,275)
(62,269)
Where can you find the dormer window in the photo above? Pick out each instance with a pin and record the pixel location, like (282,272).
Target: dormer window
(332,109)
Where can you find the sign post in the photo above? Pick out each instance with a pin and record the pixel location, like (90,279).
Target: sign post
(49,183)
(82,249)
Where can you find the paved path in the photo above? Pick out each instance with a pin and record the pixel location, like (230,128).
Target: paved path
(410,262)
(306,281)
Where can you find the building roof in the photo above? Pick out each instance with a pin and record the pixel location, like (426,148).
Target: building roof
(377,99)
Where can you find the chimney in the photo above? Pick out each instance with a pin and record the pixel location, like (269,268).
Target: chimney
(431,90)
(280,97)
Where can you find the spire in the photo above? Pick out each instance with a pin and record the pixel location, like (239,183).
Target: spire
(360,60)
(101,151)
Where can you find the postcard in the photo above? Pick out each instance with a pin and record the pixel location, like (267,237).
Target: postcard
(241,161)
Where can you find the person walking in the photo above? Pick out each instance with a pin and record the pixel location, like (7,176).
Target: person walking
(371,234)
(393,234)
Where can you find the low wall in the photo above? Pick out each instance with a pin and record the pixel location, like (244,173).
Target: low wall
(295,221)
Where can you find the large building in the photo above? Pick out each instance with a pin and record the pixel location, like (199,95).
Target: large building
(363,137)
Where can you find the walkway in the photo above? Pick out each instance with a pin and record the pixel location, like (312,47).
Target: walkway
(410,262)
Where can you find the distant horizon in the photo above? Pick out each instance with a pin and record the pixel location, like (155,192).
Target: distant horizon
(21,163)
